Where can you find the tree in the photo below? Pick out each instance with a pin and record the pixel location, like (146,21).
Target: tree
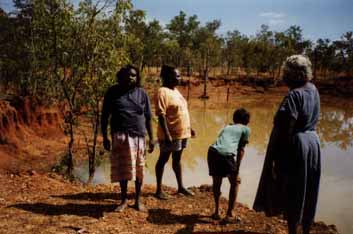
(82,51)
(208,45)
(153,49)
(183,30)
(345,52)
(103,58)
(15,47)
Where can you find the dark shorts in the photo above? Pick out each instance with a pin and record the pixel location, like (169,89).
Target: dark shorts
(219,165)
(176,145)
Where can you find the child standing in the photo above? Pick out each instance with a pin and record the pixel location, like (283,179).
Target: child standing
(224,158)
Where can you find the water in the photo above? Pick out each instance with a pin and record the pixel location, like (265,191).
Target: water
(336,133)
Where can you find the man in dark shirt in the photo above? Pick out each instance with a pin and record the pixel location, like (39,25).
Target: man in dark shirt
(128,107)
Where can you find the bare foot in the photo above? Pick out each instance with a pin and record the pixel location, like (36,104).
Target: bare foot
(121,207)
(229,214)
(186,192)
(139,207)
(216,216)
(230,219)
(161,195)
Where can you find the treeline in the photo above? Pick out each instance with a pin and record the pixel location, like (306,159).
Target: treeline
(43,42)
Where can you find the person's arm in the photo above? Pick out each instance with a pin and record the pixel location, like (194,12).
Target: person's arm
(104,121)
(287,116)
(244,140)
(285,120)
(161,110)
(148,117)
(162,121)
(150,135)
(239,158)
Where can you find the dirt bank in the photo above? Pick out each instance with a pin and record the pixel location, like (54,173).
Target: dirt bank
(48,204)
(30,135)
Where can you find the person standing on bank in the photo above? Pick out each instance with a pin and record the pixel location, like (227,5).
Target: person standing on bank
(290,178)
(128,107)
(173,128)
(224,158)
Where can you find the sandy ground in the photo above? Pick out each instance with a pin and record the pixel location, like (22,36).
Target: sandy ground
(34,203)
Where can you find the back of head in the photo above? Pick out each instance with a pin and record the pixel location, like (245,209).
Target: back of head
(297,70)
(241,116)
(166,71)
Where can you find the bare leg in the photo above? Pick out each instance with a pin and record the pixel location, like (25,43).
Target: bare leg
(217,182)
(233,193)
(138,205)
(162,160)
(176,155)
(294,228)
(123,204)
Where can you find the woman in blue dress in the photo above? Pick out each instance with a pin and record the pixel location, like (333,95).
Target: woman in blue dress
(289,183)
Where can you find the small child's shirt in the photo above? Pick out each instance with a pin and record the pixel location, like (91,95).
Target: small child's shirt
(229,138)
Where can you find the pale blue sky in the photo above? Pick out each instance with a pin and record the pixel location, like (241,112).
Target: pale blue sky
(318,18)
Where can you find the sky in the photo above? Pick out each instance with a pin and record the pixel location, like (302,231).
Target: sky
(318,18)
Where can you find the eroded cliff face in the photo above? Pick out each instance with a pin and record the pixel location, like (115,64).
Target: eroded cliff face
(27,131)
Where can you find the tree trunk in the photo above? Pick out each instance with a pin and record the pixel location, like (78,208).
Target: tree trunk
(92,153)
(70,164)
(205,79)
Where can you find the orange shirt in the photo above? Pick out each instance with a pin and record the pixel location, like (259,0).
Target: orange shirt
(171,103)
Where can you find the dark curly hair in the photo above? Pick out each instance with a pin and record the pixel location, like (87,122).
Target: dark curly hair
(241,116)
(120,74)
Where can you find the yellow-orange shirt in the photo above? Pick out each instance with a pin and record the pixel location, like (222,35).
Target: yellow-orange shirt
(171,103)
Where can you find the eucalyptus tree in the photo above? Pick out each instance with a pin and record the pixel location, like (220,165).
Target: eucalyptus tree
(264,49)
(135,29)
(208,47)
(232,50)
(183,29)
(323,57)
(60,36)
(15,48)
(82,50)
(100,23)
(344,47)
(153,49)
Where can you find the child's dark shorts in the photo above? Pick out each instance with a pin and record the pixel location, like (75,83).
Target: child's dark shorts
(220,165)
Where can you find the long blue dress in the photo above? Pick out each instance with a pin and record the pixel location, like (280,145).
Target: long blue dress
(291,187)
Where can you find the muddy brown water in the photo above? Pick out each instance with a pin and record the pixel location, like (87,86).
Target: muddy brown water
(335,130)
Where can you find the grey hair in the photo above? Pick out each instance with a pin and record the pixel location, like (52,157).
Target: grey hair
(297,69)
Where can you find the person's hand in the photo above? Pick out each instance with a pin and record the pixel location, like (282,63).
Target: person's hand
(150,146)
(193,133)
(106,144)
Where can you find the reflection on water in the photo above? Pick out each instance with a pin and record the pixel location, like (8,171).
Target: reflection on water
(336,134)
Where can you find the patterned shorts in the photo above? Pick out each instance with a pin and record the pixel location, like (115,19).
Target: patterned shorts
(127,157)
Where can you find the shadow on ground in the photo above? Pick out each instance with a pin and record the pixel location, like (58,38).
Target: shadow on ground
(97,196)
(91,210)
(230,232)
(165,217)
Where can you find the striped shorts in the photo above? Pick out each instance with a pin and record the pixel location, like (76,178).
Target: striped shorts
(127,157)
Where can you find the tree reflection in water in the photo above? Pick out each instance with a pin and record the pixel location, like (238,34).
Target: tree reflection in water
(336,125)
